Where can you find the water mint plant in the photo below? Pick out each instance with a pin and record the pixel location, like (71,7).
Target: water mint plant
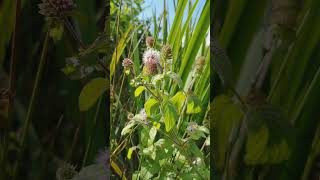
(168,144)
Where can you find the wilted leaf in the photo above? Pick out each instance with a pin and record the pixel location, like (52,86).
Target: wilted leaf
(127,129)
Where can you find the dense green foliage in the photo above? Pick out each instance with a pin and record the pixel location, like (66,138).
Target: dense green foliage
(266,92)
(160,95)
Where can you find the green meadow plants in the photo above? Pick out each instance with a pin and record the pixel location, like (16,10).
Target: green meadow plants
(266,73)
(160,98)
(167,146)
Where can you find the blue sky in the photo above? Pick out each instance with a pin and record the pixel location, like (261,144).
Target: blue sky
(151,6)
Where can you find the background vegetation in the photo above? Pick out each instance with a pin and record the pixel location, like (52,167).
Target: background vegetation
(42,127)
(265,89)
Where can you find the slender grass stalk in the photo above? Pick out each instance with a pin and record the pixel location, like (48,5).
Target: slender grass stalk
(32,101)
(90,138)
(12,79)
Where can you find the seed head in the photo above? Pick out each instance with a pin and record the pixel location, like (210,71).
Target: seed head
(166,52)
(56,8)
(200,61)
(150,41)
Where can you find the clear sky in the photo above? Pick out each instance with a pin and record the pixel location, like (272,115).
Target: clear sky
(156,6)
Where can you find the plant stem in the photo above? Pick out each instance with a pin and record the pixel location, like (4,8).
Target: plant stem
(32,101)
(90,138)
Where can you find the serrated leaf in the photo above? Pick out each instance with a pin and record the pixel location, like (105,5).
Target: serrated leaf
(139,90)
(91,93)
(194,105)
(170,116)
(178,100)
(149,104)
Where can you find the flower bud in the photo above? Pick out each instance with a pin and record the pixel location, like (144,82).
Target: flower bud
(150,41)
(126,63)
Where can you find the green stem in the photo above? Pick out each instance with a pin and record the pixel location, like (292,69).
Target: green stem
(90,138)
(32,101)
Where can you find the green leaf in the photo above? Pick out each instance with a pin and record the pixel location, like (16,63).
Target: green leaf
(170,116)
(56,32)
(130,151)
(149,104)
(152,135)
(139,90)
(198,35)
(194,105)
(226,116)
(178,100)
(91,93)
(266,143)
(256,144)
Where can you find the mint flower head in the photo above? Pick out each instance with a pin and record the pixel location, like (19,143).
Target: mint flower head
(126,63)
(143,114)
(56,8)
(151,61)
